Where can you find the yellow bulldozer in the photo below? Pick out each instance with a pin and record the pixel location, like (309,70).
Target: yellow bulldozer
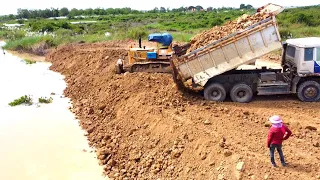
(149,59)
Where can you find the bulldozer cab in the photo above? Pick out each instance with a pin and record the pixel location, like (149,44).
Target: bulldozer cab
(162,51)
(164,45)
(139,54)
(164,39)
(150,59)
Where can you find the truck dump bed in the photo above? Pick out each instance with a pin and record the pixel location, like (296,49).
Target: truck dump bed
(228,53)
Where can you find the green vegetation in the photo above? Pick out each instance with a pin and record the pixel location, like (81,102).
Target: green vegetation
(22,100)
(28,61)
(300,22)
(40,33)
(11,35)
(45,100)
(181,36)
(36,44)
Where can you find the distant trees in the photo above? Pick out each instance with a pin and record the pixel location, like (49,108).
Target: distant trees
(64,11)
(163,10)
(243,6)
(199,8)
(55,12)
(249,6)
(23,13)
(7,17)
(155,10)
(74,12)
(181,9)
(88,12)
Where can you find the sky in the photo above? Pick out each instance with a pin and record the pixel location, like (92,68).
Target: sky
(11,6)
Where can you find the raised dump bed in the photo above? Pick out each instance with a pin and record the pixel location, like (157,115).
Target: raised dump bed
(228,53)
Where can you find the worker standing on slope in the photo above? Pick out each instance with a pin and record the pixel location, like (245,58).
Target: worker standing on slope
(119,65)
(277,133)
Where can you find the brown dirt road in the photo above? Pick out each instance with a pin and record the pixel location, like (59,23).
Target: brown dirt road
(144,128)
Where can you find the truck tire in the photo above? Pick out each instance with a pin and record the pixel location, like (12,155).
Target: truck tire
(309,91)
(215,92)
(241,93)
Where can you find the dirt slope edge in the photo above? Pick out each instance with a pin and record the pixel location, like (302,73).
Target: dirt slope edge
(143,128)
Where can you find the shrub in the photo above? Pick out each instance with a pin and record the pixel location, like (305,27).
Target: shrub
(64,25)
(22,100)
(45,100)
(20,44)
(306,32)
(182,37)
(49,27)
(216,22)
(302,18)
(63,32)
(12,35)
(35,45)
(137,32)
(285,33)
(28,61)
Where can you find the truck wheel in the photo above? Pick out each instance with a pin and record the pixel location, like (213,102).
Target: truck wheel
(309,91)
(215,92)
(241,93)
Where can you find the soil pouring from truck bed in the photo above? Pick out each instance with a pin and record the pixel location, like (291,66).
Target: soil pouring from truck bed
(218,32)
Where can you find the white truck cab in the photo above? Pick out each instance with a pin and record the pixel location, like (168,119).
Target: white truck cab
(304,54)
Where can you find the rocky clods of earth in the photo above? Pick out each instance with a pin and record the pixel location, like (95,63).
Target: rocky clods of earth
(208,36)
(142,127)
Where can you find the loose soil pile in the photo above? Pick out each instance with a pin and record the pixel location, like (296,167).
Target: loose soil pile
(218,32)
(144,128)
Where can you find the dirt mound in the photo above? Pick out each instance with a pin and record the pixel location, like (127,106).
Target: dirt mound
(218,32)
(143,128)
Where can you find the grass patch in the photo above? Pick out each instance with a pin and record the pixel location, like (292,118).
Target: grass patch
(88,38)
(22,100)
(23,43)
(306,32)
(45,100)
(35,45)
(28,61)
(181,37)
(11,34)
(300,32)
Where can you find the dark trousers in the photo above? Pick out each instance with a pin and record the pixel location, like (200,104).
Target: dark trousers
(279,149)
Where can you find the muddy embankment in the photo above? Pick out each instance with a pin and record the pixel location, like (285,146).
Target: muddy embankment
(143,127)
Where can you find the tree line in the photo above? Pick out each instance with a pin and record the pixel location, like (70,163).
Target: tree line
(56,12)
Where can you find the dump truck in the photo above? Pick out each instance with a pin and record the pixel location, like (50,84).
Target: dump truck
(214,67)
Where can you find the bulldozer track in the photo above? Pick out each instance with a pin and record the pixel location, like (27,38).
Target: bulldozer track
(152,67)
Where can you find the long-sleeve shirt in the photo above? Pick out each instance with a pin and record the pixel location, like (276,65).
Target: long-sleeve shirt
(277,135)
